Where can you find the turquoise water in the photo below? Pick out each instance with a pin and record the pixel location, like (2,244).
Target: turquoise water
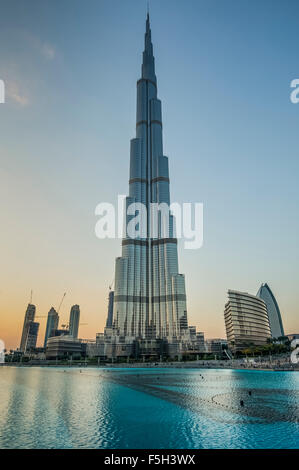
(148,408)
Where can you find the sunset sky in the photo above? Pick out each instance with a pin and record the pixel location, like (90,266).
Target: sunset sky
(224,70)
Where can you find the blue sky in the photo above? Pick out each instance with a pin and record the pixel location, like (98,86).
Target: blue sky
(224,69)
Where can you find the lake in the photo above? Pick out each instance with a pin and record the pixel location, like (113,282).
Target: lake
(127,408)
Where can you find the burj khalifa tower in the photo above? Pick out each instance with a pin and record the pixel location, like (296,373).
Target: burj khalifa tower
(149,293)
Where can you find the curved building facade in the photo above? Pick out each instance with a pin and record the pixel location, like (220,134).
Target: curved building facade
(275,320)
(246,320)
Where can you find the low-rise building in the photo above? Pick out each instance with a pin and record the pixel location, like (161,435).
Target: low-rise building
(215,346)
(62,347)
(93,348)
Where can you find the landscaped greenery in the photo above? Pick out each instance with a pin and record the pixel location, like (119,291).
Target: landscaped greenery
(273,347)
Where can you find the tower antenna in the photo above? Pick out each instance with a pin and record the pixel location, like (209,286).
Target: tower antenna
(31,293)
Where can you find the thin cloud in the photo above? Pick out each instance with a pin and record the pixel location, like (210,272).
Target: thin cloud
(10,71)
(13,91)
(48,51)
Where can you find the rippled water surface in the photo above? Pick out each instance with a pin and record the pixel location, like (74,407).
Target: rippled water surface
(148,408)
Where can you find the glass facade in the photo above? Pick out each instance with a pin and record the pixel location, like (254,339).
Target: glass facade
(109,321)
(149,296)
(32,336)
(29,317)
(275,320)
(52,324)
(74,321)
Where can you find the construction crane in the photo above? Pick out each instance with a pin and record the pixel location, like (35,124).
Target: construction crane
(111,284)
(61,302)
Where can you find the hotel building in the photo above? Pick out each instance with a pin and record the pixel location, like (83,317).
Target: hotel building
(246,321)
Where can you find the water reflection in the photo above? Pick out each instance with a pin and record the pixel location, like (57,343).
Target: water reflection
(152,408)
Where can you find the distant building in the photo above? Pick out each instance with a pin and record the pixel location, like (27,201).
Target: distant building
(190,333)
(60,332)
(93,348)
(293,336)
(74,321)
(215,346)
(200,337)
(29,317)
(246,321)
(39,353)
(275,320)
(149,348)
(31,340)
(62,347)
(52,324)
(109,321)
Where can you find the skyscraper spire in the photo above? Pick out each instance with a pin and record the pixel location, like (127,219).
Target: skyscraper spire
(148,65)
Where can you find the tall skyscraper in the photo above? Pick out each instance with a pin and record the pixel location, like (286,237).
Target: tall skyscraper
(29,317)
(149,297)
(275,320)
(52,324)
(31,336)
(109,321)
(74,321)
(246,320)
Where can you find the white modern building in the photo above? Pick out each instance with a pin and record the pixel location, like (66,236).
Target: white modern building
(63,347)
(246,321)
